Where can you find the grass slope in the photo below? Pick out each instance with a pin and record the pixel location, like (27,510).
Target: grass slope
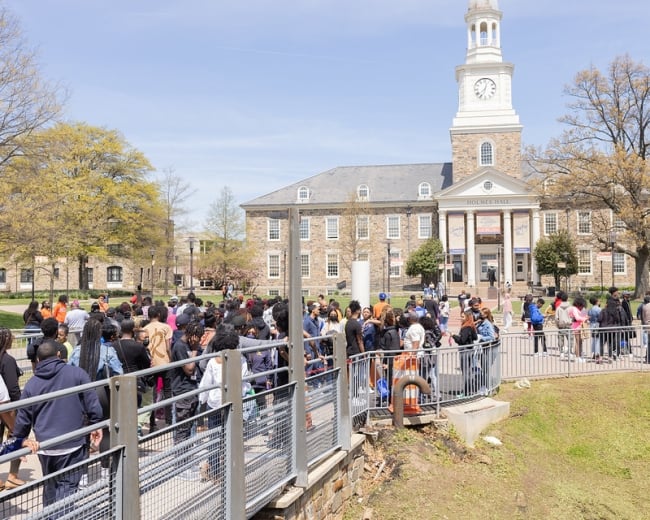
(572,449)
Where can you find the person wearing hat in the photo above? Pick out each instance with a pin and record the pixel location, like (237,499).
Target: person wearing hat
(379,306)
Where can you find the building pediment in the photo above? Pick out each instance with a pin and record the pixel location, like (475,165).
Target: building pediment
(487,188)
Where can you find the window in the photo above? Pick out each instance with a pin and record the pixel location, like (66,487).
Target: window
(363,257)
(487,158)
(114,274)
(273,266)
(363,228)
(550,223)
(114,249)
(619,263)
(274,229)
(305,270)
(363,192)
(26,276)
(274,292)
(56,273)
(584,261)
(584,222)
(90,274)
(392,227)
(618,224)
(303,194)
(332,228)
(304,229)
(424,226)
(3,275)
(424,190)
(395,264)
(332,265)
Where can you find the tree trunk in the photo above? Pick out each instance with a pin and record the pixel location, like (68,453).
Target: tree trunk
(83,273)
(641,277)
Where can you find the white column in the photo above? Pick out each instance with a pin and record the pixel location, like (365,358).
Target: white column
(471,258)
(507,247)
(535,238)
(442,228)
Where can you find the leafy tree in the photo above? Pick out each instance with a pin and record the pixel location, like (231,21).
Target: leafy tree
(425,261)
(601,159)
(81,190)
(28,103)
(553,251)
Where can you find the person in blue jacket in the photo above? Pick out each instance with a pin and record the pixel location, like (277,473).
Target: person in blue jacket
(52,418)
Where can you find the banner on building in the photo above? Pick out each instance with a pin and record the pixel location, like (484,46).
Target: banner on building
(456,227)
(521,232)
(488,223)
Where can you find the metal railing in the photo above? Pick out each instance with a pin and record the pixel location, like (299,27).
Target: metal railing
(238,457)
(241,455)
(571,352)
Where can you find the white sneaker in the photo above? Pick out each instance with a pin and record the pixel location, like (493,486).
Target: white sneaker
(83,483)
(580,360)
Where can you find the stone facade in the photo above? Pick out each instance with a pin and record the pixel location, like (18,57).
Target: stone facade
(466,147)
(317,248)
(331,486)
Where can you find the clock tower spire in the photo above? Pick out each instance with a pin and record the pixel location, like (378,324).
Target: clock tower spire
(486,131)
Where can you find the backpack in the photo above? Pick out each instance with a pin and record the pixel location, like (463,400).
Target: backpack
(536,317)
(562,317)
(432,337)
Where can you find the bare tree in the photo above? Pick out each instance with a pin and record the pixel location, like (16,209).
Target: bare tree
(600,160)
(28,102)
(176,192)
(355,229)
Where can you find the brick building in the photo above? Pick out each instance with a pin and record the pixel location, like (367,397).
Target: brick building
(479,205)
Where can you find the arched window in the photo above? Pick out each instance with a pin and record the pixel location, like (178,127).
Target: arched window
(114,273)
(487,156)
(303,194)
(424,190)
(363,192)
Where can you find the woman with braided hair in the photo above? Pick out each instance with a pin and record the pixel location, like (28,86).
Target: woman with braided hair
(99,360)
(10,373)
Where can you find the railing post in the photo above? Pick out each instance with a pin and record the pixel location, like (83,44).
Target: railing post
(296,347)
(343,392)
(124,432)
(232,382)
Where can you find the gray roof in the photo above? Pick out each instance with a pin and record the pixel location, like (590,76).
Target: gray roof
(396,183)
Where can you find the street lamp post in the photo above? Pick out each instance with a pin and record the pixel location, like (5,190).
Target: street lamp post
(191,242)
(153,262)
(284,264)
(388,271)
(612,244)
(176,275)
(409,211)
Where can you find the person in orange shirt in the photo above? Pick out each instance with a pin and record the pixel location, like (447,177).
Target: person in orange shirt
(46,311)
(379,306)
(60,309)
(103,304)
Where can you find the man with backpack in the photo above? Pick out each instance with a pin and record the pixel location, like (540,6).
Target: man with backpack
(563,321)
(537,321)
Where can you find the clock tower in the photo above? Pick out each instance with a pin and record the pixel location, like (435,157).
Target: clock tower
(486,131)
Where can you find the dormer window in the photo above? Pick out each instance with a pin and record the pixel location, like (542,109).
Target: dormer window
(424,190)
(363,192)
(303,194)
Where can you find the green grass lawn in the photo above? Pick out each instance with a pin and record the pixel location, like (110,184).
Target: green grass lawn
(11,320)
(572,449)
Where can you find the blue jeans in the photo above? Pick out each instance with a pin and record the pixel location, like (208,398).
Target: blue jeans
(65,484)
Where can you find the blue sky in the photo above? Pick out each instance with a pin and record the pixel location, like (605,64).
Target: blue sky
(258,94)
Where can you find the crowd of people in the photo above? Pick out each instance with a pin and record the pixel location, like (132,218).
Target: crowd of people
(585,329)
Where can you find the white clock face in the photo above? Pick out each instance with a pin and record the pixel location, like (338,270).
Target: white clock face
(485,88)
